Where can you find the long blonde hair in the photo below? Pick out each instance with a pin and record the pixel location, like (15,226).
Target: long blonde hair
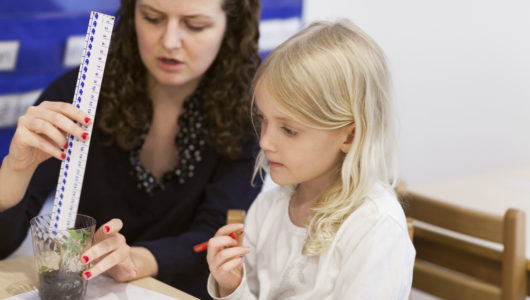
(334,74)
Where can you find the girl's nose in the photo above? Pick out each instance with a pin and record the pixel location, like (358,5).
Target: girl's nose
(172,35)
(265,139)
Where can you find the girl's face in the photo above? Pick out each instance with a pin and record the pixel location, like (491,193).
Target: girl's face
(298,154)
(179,39)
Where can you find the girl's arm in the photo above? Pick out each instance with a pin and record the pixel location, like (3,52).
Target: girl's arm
(249,287)
(225,260)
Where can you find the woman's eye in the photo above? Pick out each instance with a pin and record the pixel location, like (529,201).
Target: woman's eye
(289,131)
(151,19)
(195,28)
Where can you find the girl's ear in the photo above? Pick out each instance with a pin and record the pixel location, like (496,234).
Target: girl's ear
(348,138)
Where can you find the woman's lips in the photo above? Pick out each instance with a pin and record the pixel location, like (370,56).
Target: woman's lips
(169,64)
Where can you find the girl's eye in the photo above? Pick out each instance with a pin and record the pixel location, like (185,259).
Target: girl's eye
(289,131)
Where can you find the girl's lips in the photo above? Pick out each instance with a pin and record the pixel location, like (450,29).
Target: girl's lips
(275,164)
(169,64)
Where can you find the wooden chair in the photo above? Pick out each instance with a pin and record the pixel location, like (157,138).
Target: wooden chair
(528,277)
(451,265)
(410,228)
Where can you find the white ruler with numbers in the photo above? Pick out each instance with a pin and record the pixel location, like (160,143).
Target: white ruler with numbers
(97,42)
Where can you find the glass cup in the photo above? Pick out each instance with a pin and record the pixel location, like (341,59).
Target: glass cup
(57,257)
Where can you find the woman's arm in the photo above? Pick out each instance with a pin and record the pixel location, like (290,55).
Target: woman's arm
(27,176)
(13,183)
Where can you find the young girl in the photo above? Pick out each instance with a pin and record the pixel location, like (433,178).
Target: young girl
(333,228)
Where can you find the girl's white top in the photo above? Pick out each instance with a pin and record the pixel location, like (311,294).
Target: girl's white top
(371,257)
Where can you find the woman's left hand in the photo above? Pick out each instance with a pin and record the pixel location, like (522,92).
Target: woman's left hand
(110,253)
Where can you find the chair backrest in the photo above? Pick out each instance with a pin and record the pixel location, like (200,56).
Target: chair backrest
(451,263)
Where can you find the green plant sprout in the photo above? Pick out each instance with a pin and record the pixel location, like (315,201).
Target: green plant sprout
(76,242)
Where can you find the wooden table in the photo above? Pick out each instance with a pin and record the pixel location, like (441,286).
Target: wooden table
(17,276)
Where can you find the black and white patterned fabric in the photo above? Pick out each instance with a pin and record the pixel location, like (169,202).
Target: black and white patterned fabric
(190,142)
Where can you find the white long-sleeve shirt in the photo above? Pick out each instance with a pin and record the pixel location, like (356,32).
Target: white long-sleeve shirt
(371,256)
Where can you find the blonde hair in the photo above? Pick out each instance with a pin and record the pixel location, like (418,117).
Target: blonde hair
(334,74)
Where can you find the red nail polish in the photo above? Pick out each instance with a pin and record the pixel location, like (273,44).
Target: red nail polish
(87,275)
(107,228)
(65,146)
(232,235)
(85,259)
(84,136)
(63,156)
(87,120)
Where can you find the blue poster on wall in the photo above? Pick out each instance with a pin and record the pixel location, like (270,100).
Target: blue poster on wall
(40,39)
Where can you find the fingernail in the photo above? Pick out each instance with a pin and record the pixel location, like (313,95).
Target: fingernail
(84,136)
(63,156)
(85,259)
(134,273)
(87,275)
(232,235)
(107,228)
(87,120)
(65,146)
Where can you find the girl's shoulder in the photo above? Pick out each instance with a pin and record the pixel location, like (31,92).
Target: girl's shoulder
(379,211)
(269,201)
(272,196)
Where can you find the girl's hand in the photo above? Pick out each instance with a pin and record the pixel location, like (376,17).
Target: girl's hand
(41,133)
(225,258)
(111,253)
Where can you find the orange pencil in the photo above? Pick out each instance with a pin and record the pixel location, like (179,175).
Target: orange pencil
(232,216)
(203,246)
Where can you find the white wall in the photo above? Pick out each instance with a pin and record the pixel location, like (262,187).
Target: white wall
(462,79)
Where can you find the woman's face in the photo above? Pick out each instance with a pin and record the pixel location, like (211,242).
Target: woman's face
(179,39)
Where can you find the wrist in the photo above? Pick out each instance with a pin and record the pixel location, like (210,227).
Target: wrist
(144,261)
(10,166)
(224,292)
(13,183)
(230,289)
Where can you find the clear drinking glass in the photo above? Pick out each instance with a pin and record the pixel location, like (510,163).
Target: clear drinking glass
(57,257)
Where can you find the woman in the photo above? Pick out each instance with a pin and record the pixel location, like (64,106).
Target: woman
(169,153)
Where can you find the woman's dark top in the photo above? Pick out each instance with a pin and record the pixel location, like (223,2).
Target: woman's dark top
(168,223)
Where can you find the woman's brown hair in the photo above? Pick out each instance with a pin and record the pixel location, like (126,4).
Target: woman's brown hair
(125,107)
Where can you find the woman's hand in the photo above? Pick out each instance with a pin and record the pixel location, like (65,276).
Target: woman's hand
(41,133)
(225,258)
(111,253)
